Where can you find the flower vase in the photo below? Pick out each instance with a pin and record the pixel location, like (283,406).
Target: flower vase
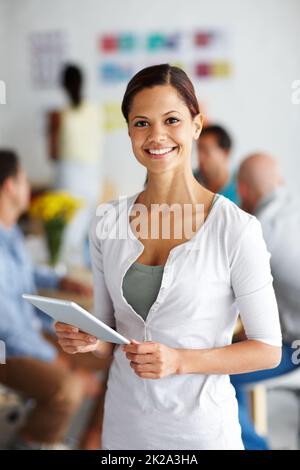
(54,231)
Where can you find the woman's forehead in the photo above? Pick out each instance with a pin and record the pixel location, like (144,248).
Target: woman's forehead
(159,99)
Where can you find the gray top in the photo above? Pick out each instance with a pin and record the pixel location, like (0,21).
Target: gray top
(141,284)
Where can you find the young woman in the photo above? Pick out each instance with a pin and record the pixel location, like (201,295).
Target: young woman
(176,297)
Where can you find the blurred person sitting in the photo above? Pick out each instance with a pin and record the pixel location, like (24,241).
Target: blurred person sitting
(75,143)
(33,365)
(263,193)
(214,164)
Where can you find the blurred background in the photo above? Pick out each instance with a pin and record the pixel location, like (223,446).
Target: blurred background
(64,66)
(258,40)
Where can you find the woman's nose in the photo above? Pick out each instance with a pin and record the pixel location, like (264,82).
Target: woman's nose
(156,134)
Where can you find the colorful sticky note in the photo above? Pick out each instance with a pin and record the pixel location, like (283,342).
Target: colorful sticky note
(156,42)
(111,72)
(109,43)
(172,41)
(203,70)
(221,69)
(202,39)
(127,42)
(113,116)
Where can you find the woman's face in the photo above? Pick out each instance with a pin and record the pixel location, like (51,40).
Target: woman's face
(162,129)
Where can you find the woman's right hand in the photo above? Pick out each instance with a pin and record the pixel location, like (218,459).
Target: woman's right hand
(73,341)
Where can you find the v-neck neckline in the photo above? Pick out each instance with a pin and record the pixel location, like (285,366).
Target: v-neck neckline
(166,266)
(193,239)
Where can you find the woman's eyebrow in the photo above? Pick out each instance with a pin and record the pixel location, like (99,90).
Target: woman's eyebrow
(173,111)
(144,117)
(168,112)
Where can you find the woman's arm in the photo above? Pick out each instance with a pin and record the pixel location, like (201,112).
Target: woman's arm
(245,356)
(152,360)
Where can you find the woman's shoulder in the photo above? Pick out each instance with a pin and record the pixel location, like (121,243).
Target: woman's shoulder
(232,213)
(232,221)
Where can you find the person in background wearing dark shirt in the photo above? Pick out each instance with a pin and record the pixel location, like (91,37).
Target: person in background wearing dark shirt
(214,164)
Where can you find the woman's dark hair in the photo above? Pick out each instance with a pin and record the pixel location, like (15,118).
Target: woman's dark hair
(71,80)
(9,165)
(221,135)
(162,74)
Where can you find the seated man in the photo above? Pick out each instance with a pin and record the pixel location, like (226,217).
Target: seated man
(33,365)
(214,165)
(263,194)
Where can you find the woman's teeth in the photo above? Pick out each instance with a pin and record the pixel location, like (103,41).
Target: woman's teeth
(160,151)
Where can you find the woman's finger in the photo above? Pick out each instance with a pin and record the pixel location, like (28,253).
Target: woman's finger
(141,358)
(70,350)
(79,336)
(74,343)
(59,326)
(75,349)
(144,367)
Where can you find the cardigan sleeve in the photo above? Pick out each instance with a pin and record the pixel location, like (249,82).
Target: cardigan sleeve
(252,284)
(103,306)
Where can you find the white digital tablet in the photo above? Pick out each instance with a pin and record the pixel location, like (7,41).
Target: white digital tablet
(69,312)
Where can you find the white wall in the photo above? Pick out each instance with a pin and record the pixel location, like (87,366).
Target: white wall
(4,69)
(255,104)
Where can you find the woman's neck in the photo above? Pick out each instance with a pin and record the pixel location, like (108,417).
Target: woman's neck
(179,187)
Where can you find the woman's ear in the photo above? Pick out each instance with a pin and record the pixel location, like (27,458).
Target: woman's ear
(198,121)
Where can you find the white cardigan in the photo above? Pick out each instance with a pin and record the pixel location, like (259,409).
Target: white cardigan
(224,268)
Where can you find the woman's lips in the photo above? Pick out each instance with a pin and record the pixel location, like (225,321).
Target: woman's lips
(160,155)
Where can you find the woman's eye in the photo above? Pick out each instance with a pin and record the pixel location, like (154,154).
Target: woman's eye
(172,120)
(141,124)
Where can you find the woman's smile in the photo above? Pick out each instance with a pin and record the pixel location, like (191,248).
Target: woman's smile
(158,153)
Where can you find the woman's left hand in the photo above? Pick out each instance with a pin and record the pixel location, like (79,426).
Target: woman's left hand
(151,360)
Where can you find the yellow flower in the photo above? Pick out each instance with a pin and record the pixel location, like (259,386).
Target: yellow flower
(54,204)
